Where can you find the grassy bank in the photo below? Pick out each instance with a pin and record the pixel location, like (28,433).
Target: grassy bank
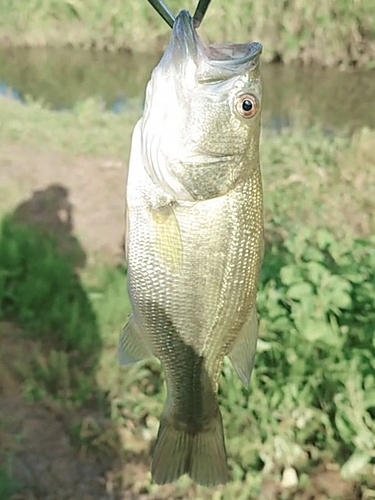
(335,32)
(312,398)
(309,177)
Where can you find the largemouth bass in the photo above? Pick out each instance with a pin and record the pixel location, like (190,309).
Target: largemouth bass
(194,242)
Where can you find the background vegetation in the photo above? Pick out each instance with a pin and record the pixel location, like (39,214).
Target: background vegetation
(333,32)
(312,396)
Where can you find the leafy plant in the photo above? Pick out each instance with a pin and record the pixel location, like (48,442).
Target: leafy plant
(316,351)
(8,486)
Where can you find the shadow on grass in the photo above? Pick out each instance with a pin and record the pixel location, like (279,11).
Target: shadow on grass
(40,287)
(51,212)
(51,346)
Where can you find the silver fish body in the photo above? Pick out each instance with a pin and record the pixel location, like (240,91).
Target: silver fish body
(195,240)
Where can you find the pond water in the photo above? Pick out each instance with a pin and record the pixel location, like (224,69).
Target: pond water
(294,96)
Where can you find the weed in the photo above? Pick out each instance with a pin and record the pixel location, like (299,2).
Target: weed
(90,435)
(40,288)
(8,486)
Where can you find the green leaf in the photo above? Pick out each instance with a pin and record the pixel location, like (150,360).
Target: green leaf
(314,330)
(324,239)
(313,254)
(299,291)
(355,465)
(316,272)
(290,274)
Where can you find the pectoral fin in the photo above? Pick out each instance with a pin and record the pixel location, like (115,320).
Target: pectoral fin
(242,354)
(168,238)
(132,346)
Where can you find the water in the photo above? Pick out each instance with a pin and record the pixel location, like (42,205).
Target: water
(294,96)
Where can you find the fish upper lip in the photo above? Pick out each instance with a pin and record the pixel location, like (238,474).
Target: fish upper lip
(237,54)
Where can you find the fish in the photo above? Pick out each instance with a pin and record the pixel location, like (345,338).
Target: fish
(195,240)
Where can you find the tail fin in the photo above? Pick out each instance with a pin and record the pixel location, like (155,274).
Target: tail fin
(201,455)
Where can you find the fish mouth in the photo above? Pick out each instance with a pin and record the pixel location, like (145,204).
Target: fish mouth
(233,53)
(220,62)
(213,62)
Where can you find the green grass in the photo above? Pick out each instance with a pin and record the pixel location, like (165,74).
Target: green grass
(86,130)
(38,286)
(335,32)
(8,486)
(312,396)
(40,291)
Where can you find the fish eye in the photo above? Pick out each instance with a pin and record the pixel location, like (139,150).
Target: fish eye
(247,105)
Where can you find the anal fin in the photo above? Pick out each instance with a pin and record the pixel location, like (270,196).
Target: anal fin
(243,351)
(132,347)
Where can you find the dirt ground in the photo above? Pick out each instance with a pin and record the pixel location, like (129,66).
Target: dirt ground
(38,447)
(66,194)
(82,199)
